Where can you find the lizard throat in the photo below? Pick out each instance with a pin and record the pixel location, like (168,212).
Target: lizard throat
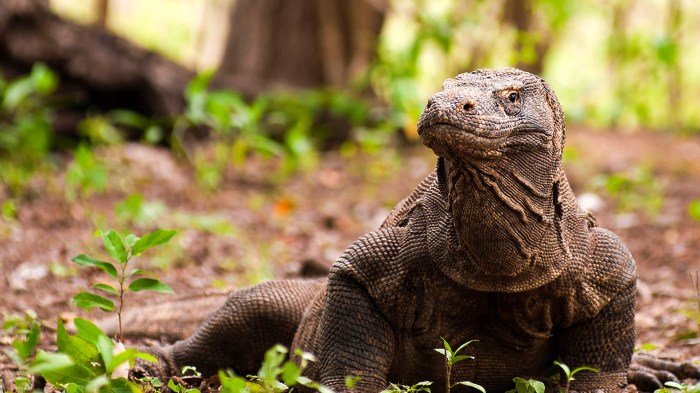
(506,226)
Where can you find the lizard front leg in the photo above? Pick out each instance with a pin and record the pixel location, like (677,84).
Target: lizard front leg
(605,342)
(354,337)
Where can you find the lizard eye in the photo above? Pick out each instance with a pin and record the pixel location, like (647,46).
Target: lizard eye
(512,97)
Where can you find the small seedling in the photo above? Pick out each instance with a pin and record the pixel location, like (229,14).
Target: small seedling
(453,357)
(419,387)
(86,362)
(569,374)
(26,331)
(527,386)
(351,381)
(122,252)
(673,387)
(276,375)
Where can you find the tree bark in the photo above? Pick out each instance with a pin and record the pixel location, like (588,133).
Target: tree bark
(282,44)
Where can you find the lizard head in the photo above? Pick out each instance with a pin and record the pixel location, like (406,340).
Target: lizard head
(488,113)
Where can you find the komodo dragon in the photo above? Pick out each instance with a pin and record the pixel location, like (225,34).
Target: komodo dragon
(492,246)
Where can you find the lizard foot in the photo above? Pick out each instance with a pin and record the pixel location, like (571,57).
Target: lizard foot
(649,373)
(160,369)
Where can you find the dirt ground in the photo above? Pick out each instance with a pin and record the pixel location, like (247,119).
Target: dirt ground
(254,228)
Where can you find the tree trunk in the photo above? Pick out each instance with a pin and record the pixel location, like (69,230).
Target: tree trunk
(520,15)
(282,44)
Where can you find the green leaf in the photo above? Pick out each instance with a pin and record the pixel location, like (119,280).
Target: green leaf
(460,358)
(290,373)
(106,288)
(131,239)
(24,348)
(564,367)
(84,260)
(465,345)
(121,385)
(49,362)
(16,92)
(87,301)
(155,238)
(529,386)
(80,350)
(87,330)
(231,383)
(115,246)
(646,347)
(694,210)
(583,368)
(96,383)
(44,80)
(106,348)
(149,284)
(351,381)
(446,345)
(472,385)
(137,272)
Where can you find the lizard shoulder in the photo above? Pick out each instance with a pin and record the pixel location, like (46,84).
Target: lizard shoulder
(603,273)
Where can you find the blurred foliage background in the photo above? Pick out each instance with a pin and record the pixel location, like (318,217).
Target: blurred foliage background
(613,63)
(286,80)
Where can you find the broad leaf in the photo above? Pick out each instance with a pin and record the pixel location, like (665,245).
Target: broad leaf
(106,348)
(96,383)
(84,260)
(106,288)
(121,385)
(87,301)
(290,373)
(46,361)
(80,350)
(149,284)
(114,246)
(60,369)
(472,385)
(87,330)
(150,240)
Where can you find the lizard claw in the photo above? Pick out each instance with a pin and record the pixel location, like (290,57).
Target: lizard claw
(649,373)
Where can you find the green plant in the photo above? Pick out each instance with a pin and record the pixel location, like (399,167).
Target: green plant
(453,357)
(672,387)
(276,374)
(25,329)
(694,210)
(122,252)
(179,388)
(87,362)
(85,175)
(527,386)
(636,190)
(134,209)
(25,126)
(569,373)
(419,387)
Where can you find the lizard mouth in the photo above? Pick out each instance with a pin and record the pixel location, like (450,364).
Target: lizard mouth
(448,128)
(447,140)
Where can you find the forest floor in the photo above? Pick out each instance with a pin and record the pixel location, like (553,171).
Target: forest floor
(253,228)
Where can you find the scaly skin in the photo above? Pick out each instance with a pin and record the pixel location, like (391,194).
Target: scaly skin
(493,246)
